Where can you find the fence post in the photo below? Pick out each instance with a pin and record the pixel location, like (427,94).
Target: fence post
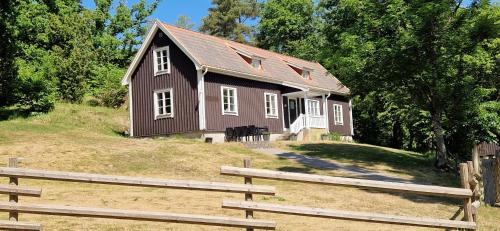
(248,196)
(475,159)
(464,176)
(474,186)
(13,216)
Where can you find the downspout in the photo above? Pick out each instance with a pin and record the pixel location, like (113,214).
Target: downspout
(201,96)
(326,112)
(350,115)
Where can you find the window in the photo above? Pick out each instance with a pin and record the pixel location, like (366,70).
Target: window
(256,63)
(229,101)
(271,101)
(338,116)
(313,107)
(163,103)
(161,57)
(306,74)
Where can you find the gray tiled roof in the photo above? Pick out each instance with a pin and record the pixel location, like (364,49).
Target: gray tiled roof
(220,53)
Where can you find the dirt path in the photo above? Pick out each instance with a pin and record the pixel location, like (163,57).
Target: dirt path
(320,163)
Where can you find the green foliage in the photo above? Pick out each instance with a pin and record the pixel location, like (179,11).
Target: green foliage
(107,86)
(335,136)
(37,93)
(8,69)
(65,51)
(226,18)
(185,22)
(417,58)
(290,27)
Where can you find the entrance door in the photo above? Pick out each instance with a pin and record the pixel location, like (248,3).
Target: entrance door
(292,107)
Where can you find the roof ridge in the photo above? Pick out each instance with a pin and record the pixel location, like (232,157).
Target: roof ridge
(227,40)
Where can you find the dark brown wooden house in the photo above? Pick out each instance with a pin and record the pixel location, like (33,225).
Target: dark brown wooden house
(183,81)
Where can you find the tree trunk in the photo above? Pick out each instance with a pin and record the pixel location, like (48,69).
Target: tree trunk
(437,128)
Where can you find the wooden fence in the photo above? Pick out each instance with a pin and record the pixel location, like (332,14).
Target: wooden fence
(469,193)
(14,191)
(486,157)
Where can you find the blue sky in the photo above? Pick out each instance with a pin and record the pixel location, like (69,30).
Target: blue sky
(169,10)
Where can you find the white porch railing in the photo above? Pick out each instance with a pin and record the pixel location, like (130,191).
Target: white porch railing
(304,121)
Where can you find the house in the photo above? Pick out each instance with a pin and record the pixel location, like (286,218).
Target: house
(183,81)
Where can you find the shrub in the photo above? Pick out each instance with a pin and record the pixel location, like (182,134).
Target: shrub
(36,93)
(107,86)
(334,136)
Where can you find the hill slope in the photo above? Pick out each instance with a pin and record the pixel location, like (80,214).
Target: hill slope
(88,139)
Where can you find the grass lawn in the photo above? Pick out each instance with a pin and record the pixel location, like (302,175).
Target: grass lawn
(88,139)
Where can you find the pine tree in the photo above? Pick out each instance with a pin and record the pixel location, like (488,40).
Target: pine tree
(227,19)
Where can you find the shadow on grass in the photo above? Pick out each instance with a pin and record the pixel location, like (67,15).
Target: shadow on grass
(121,133)
(351,156)
(295,169)
(364,154)
(13,113)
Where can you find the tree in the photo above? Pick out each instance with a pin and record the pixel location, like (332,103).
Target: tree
(8,69)
(183,21)
(61,44)
(290,27)
(226,18)
(438,53)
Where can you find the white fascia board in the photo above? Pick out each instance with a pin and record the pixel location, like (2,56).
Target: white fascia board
(140,53)
(144,46)
(197,64)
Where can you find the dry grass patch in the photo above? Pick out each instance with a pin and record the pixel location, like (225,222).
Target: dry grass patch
(87,139)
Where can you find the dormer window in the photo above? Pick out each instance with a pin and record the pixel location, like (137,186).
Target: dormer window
(306,74)
(256,63)
(252,59)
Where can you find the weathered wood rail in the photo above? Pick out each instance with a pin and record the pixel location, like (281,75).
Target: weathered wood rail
(346,215)
(135,181)
(136,215)
(469,193)
(14,191)
(350,182)
(15,225)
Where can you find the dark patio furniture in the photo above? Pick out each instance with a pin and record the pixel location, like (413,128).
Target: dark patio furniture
(230,135)
(253,132)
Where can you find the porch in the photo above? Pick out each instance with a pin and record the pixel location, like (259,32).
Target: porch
(304,110)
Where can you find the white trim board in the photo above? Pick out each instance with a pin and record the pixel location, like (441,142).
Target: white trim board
(145,45)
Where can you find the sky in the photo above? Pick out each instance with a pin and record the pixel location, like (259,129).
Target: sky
(169,10)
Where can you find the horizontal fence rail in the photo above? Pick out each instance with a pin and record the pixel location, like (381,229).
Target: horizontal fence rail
(14,225)
(21,191)
(347,215)
(137,215)
(135,181)
(352,182)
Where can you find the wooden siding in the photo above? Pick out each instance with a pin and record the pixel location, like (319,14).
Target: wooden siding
(345,129)
(488,149)
(183,81)
(251,106)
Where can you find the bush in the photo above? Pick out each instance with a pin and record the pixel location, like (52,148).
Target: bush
(334,136)
(35,92)
(107,86)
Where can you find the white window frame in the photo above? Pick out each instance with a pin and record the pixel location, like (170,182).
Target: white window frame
(156,107)
(235,112)
(275,105)
(338,116)
(317,109)
(155,60)
(306,74)
(257,63)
